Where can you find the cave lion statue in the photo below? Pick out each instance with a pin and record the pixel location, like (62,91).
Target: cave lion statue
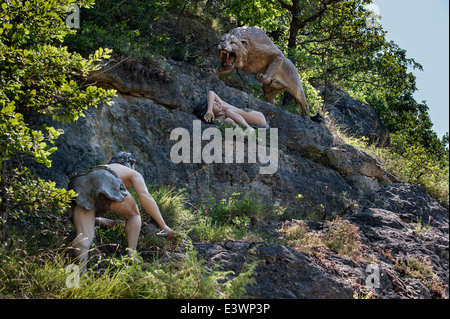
(251,50)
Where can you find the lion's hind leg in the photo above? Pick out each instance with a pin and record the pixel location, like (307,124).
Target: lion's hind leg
(299,97)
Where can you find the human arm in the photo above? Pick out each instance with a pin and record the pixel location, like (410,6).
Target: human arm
(149,204)
(237,118)
(209,116)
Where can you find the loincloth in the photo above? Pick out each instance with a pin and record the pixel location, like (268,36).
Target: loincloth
(97,188)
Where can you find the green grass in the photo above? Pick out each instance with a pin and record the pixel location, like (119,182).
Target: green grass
(235,216)
(40,276)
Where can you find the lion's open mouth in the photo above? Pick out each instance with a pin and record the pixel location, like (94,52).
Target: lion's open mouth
(228,59)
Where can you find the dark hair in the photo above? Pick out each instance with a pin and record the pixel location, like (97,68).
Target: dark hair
(123,158)
(200,110)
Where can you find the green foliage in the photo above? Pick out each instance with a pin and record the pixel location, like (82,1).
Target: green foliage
(127,27)
(191,279)
(253,13)
(35,195)
(44,68)
(18,138)
(237,205)
(339,45)
(173,205)
(38,76)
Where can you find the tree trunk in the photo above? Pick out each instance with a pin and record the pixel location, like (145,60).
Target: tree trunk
(294,26)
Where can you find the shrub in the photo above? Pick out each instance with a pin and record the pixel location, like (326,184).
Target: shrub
(173,205)
(236,206)
(415,268)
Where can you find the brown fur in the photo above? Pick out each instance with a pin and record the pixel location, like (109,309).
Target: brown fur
(251,50)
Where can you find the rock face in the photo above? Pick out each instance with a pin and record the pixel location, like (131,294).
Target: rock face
(282,272)
(155,99)
(389,240)
(354,117)
(406,225)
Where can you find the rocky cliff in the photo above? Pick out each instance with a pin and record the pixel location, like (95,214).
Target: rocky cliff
(156,98)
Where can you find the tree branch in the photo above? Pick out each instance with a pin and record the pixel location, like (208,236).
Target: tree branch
(319,13)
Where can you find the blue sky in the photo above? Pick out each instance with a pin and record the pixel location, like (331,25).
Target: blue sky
(421,27)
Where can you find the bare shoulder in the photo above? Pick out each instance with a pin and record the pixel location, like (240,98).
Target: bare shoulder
(120,169)
(125,173)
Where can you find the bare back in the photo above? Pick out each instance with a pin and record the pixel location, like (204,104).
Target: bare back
(130,177)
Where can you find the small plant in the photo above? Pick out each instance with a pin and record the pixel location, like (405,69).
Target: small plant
(416,268)
(188,277)
(207,230)
(43,276)
(174,207)
(422,229)
(297,235)
(343,237)
(422,270)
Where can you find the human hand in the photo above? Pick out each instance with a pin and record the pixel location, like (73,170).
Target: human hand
(167,233)
(209,116)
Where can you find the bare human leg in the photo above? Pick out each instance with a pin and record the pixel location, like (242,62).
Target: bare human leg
(128,209)
(84,221)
